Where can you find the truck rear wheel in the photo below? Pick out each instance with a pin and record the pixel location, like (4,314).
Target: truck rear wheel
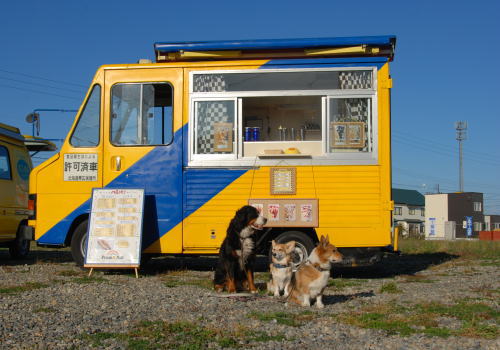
(79,243)
(303,245)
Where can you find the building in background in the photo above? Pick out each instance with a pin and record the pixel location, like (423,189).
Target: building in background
(491,222)
(409,211)
(453,215)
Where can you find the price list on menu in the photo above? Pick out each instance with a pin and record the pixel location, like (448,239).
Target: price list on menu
(115,229)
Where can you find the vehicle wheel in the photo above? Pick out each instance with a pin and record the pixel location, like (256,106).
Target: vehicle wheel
(303,245)
(20,248)
(79,243)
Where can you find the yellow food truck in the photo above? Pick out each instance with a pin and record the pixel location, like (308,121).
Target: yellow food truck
(299,128)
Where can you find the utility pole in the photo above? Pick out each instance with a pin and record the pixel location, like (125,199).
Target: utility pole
(461,128)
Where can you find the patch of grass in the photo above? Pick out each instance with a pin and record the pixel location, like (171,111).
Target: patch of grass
(91,279)
(288,319)
(23,288)
(178,335)
(494,263)
(69,273)
(390,287)
(467,249)
(341,283)
(474,319)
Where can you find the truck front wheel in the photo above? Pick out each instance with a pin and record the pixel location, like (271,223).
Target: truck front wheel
(79,243)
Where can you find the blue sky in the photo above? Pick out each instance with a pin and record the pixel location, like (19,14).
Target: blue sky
(446,66)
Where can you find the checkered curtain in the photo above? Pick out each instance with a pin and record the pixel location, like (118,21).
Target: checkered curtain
(355,80)
(209,83)
(209,113)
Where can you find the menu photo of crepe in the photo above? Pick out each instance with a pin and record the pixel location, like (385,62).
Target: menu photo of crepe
(103,231)
(104,214)
(127,201)
(127,210)
(106,203)
(290,212)
(273,211)
(306,212)
(125,230)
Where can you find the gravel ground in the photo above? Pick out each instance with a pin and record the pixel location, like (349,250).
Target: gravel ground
(46,302)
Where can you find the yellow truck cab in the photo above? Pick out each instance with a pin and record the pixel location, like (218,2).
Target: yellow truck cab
(15,166)
(298,128)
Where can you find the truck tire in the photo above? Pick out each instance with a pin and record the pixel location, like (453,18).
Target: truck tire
(303,245)
(79,243)
(20,248)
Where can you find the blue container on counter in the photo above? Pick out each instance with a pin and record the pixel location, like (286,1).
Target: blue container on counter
(248,134)
(256,134)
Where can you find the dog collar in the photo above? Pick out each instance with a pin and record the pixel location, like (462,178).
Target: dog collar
(318,267)
(280,266)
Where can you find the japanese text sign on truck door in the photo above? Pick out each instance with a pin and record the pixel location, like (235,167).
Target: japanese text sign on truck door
(115,229)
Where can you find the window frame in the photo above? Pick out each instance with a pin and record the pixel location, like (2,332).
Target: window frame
(479,205)
(193,120)
(111,113)
(398,210)
(333,158)
(9,164)
(81,114)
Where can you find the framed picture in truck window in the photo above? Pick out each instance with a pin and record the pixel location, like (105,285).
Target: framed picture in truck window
(223,137)
(347,134)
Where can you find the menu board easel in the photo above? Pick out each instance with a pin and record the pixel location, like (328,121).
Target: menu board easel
(115,229)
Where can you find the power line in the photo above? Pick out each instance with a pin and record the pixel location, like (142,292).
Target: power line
(447,154)
(447,147)
(38,92)
(43,85)
(41,78)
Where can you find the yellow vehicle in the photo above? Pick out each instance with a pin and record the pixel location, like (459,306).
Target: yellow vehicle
(299,128)
(15,166)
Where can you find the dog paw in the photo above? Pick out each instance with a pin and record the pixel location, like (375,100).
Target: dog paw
(320,306)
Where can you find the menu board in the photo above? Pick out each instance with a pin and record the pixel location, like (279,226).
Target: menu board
(288,212)
(115,229)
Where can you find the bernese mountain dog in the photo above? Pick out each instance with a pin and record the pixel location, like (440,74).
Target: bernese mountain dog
(236,256)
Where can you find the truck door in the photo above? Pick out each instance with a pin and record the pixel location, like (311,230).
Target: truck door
(143,147)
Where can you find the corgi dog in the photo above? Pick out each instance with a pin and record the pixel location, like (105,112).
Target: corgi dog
(281,268)
(311,277)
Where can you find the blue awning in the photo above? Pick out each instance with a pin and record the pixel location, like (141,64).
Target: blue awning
(386,42)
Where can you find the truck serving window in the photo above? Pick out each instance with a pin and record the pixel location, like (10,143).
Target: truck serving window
(4,164)
(326,114)
(141,114)
(86,132)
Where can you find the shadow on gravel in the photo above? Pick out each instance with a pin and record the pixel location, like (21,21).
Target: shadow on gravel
(342,298)
(406,264)
(389,267)
(36,257)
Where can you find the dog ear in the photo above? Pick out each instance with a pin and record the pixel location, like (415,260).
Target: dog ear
(273,242)
(322,240)
(290,246)
(327,240)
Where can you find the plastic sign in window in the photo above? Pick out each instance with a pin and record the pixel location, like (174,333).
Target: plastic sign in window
(80,167)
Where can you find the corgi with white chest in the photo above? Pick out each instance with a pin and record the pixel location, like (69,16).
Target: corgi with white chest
(311,278)
(281,268)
